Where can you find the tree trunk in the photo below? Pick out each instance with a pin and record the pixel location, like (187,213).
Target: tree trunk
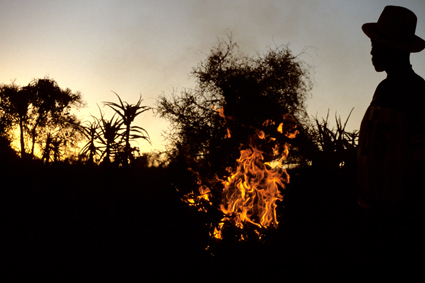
(21,128)
(46,153)
(33,141)
(33,134)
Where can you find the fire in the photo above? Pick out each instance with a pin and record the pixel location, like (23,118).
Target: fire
(251,192)
(203,196)
(252,188)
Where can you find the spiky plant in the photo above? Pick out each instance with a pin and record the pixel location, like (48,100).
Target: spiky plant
(90,131)
(109,136)
(335,145)
(128,112)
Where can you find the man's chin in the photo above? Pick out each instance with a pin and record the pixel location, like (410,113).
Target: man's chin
(379,68)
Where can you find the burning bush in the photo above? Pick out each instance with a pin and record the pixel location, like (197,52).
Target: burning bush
(248,194)
(252,89)
(237,158)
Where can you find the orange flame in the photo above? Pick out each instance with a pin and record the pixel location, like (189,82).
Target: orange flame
(201,198)
(222,115)
(251,190)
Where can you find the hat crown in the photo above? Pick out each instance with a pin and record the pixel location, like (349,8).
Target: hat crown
(397,23)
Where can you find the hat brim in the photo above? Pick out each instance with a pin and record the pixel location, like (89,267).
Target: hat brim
(417,44)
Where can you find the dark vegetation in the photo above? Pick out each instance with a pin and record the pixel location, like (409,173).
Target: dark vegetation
(113,213)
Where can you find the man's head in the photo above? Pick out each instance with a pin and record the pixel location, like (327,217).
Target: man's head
(385,58)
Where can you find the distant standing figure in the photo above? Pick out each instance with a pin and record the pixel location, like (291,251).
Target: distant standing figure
(391,150)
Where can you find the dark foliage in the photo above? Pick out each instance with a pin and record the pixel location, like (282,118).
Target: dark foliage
(42,112)
(250,89)
(68,222)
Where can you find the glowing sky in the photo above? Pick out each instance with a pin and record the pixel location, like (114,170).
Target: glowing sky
(150,47)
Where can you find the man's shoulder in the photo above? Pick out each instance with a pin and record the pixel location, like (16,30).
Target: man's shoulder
(401,94)
(417,88)
(411,83)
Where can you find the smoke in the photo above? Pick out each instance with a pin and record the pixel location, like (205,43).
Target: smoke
(164,40)
(253,24)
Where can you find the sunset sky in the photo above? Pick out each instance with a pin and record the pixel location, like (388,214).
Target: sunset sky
(150,47)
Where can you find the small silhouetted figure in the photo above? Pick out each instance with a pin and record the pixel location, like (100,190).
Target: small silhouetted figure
(391,150)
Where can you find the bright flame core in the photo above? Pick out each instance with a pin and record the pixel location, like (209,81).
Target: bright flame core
(251,192)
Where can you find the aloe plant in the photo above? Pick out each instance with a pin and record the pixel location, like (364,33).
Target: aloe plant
(90,131)
(109,136)
(128,112)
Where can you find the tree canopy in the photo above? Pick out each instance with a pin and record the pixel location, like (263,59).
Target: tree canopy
(250,89)
(42,113)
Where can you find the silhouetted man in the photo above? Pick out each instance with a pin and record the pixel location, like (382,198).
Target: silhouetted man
(391,150)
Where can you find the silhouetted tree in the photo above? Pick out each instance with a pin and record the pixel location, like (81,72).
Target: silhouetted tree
(15,103)
(251,89)
(60,139)
(6,123)
(41,110)
(50,107)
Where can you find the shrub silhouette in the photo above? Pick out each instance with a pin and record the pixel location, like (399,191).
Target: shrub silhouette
(251,89)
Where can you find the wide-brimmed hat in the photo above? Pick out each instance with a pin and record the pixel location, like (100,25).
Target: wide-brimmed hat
(396,28)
